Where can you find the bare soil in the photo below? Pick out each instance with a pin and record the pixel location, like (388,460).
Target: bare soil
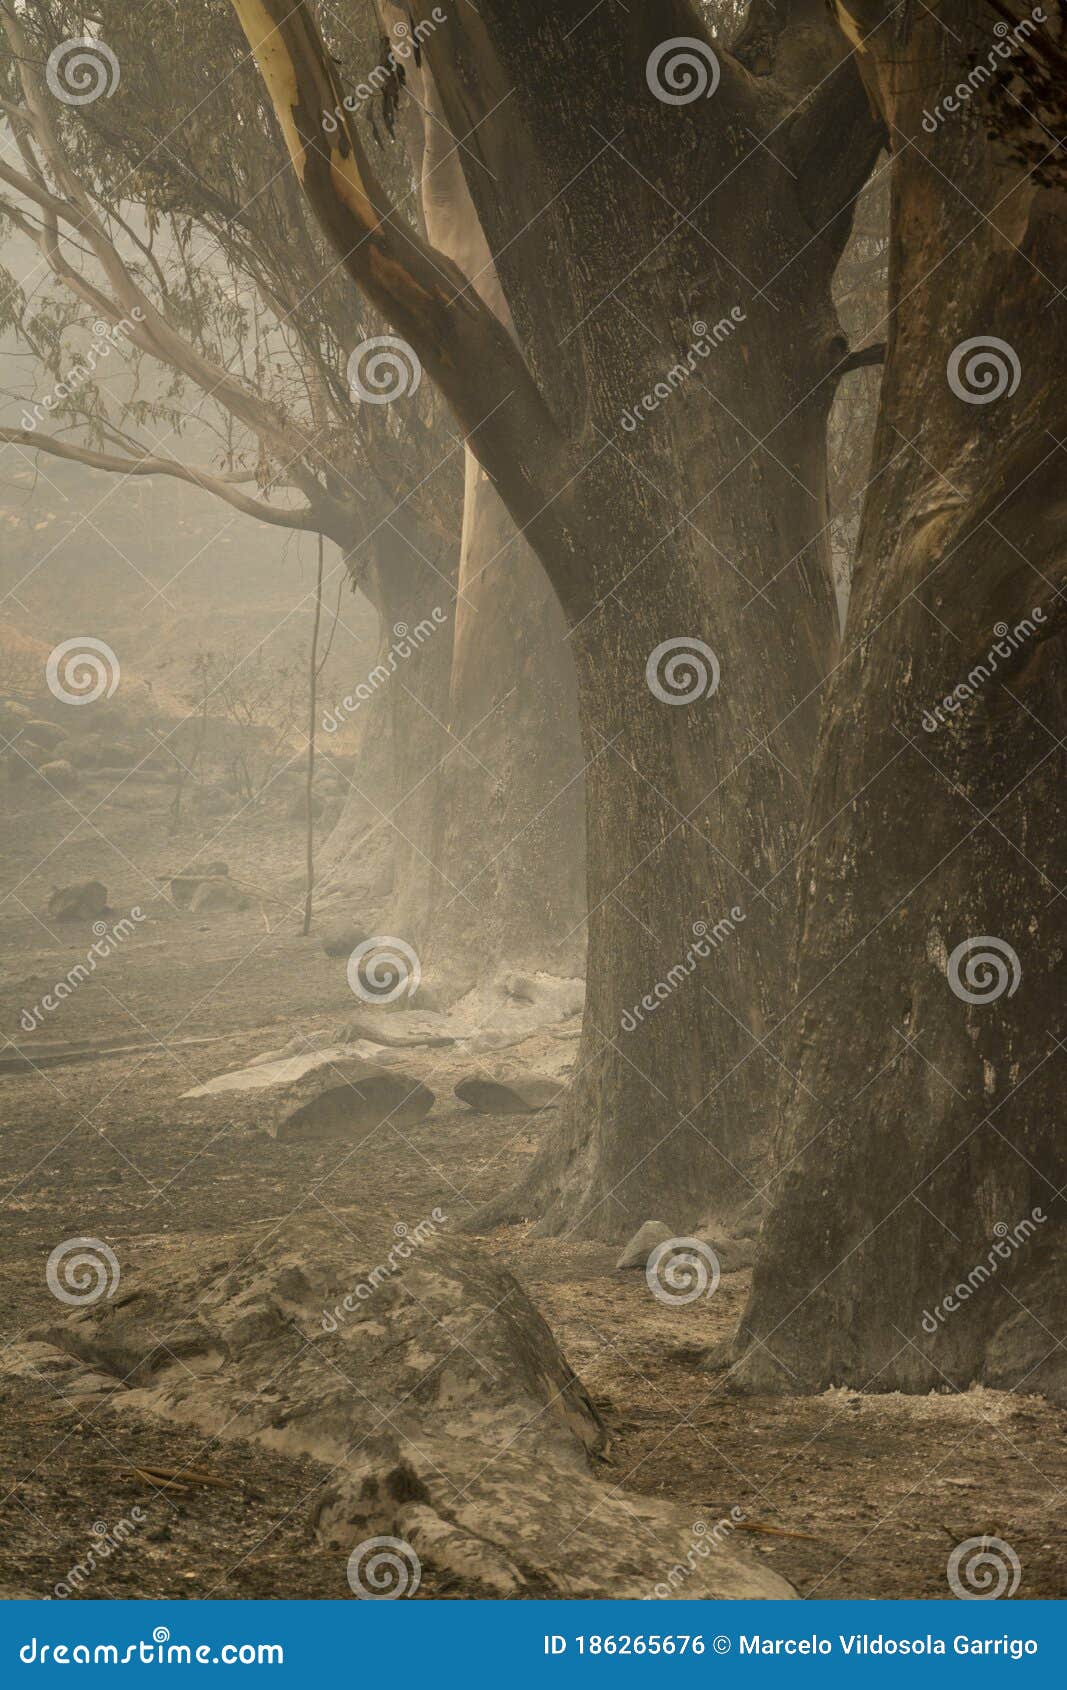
(846,1494)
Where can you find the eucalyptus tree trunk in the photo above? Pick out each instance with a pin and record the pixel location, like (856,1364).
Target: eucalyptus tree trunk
(916,1234)
(693,565)
(499,881)
(657,429)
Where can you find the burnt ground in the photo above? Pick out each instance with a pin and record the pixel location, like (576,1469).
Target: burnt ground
(846,1495)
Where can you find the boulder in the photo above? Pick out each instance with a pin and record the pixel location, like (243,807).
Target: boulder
(216,892)
(643,1243)
(115,753)
(556,998)
(42,733)
(324,1095)
(183,887)
(527,1095)
(80,752)
(59,774)
(734,1254)
(84,900)
(425,1384)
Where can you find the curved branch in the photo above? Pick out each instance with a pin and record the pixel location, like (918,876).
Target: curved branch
(863,358)
(223,486)
(418,289)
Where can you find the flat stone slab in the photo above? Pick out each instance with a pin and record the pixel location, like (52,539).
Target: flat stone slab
(324,1095)
(280,1071)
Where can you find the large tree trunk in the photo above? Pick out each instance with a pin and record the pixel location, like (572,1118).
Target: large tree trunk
(502,882)
(700,518)
(701,521)
(399,709)
(916,1236)
(490,870)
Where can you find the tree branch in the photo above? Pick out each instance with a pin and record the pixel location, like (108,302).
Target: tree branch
(223,486)
(862,358)
(421,292)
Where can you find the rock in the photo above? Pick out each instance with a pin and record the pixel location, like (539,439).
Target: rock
(84,900)
(43,733)
(325,1094)
(217,893)
(427,1388)
(184,887)
(116,754)
(401,1032)
(734,1254)
(643,1243)
(556,998)
(80,752)
(525,1096)
(342,937)
(301,1044)
(59,774)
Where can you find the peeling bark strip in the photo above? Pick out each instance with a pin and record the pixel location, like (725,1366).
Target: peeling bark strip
(927,1118)
(418,288)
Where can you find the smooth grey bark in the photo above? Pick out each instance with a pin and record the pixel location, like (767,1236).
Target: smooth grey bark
(915,1238)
